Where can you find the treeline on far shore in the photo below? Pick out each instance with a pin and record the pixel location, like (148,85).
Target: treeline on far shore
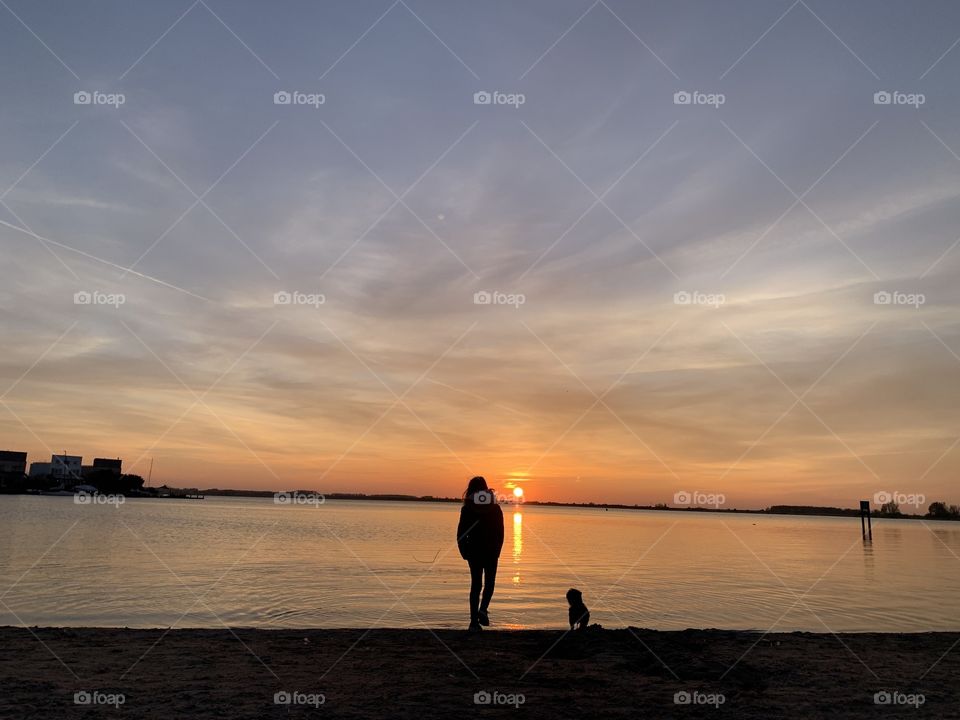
(936,510)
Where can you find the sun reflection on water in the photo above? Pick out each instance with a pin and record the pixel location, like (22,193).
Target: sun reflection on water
(517,544)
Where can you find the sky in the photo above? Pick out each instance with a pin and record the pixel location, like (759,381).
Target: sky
(685,250)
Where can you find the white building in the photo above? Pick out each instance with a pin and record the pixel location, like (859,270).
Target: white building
(66,467)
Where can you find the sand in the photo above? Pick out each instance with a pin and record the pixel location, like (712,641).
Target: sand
(625,673)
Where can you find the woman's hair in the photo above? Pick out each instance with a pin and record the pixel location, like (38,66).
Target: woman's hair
(476,484)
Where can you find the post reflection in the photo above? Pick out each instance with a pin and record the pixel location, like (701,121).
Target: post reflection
(517,544)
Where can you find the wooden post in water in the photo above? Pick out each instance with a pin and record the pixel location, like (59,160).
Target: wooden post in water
(866,529)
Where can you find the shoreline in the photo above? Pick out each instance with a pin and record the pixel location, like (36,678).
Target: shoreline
(772,511)
(420,673)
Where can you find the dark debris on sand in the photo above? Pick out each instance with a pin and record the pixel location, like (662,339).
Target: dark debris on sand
(422,674)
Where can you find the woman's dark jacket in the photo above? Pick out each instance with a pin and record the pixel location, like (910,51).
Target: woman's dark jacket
(480,531)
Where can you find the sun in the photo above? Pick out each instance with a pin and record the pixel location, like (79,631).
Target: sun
(518,492)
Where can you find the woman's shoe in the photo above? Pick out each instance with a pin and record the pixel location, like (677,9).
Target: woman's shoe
(483,618)
(475,626)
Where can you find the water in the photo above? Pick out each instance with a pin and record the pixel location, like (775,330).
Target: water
(249,562)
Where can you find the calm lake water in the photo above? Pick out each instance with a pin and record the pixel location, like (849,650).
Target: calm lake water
(249,562)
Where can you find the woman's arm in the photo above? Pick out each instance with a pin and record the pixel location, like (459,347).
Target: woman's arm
(463,528)
(498,530)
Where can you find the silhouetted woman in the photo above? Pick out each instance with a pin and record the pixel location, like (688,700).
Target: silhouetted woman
(480,538)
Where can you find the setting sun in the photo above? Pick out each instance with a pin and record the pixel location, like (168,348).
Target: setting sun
(518,492)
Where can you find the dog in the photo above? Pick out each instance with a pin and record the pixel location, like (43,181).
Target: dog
(579,615)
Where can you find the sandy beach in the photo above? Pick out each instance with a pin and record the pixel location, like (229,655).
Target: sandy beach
(90,673)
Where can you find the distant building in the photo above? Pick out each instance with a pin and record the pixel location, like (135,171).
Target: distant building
(13,468)
(39,469)
(114,465)
(13,463)
(66,467)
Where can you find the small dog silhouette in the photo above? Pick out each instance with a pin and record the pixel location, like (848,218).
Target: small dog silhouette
(579,615)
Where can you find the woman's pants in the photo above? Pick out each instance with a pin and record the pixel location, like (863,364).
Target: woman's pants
(482,572)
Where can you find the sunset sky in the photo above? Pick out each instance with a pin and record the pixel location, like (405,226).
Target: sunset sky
(785,209)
